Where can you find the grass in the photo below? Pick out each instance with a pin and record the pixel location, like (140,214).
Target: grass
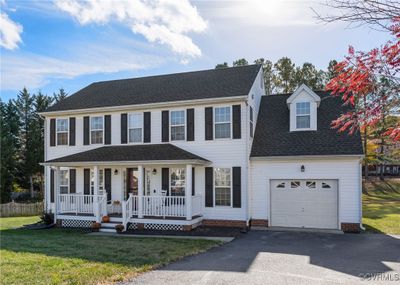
(381,206)
(62,256)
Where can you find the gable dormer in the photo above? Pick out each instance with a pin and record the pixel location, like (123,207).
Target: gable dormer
(303,104)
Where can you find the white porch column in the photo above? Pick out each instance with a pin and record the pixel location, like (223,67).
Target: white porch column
(56,192)
(188,192)
(140,191)
(96,209)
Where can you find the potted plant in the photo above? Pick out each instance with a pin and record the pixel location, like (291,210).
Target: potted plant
(119,228)
(105,219)
(95,227)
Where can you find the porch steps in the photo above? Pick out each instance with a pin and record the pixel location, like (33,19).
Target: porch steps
(107,230)
(108,227)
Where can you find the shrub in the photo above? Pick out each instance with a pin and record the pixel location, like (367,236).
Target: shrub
(47,218)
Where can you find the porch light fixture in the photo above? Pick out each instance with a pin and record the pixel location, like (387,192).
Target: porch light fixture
(116,172)
(302,168)
(154,171)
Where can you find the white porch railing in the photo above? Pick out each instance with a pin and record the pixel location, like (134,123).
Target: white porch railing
(164,206)
(76,203)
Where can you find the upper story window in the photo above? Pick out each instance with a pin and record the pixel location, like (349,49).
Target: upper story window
(222,122)
(178,181)
(64,178)
(62,131)
(178,125)
(251,122)
(96,130)
(222,186)
(135,128)
(303,115)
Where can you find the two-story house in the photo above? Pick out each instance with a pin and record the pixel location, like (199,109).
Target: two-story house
(207,147)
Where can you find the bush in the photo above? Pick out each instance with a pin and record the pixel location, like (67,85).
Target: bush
(47,218)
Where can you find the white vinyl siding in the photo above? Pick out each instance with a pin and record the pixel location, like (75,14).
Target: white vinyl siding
(178,125)
(96,130)
(222,187)
(251,122)
(303,115)
(222,122)
(135,128)
(62,128)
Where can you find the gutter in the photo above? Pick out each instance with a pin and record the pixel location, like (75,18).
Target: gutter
(263,158)
(123,163)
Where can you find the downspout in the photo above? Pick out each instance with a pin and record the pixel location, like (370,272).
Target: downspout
(360,190)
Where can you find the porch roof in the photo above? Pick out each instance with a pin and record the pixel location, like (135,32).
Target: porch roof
(130,154)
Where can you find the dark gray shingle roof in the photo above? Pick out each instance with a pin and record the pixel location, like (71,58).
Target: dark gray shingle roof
(205,84)
(146,152)
(273,138)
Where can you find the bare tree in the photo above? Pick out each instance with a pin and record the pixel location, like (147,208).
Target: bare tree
(374,13)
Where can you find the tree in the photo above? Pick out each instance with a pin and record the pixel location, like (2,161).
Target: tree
(374,13)
(240,62)
(310,76)
(268,74)
(61,95)
(221,65)
(9,145)
(331,70)
(284,75)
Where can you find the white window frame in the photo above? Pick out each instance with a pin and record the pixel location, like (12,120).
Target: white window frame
(129,127)
(184,125)
(231,187)
(100,182)
(230,122)
(67,131)
(63,185)
(251,126)
(303,115)
(170,181)
(90,129)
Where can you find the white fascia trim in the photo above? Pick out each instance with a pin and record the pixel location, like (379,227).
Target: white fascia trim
(127,163)
(145,106)
(310,157)
(305,88)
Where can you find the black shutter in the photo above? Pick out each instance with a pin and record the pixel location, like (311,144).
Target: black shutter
(128,182)
(86,181)
(72,121)
(107,182)
(190,124)
(107,129)
(72,181)
(209,187)
(193,182)
(237,187)
(165,180)
(147,127)
(236,122)
(52,132)
(208,123)
(52,186)
(165,126)
(124,128)
(86,130)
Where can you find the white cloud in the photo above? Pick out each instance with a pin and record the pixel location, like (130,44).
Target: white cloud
(166,22)
(35,71)
(10,32)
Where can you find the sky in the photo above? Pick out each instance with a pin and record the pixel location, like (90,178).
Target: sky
(48,45)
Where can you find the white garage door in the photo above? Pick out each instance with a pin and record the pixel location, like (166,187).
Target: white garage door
(304,203)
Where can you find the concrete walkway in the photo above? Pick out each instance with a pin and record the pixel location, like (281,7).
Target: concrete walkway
(272,257)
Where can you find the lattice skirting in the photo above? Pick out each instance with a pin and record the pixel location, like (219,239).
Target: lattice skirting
(75,224)
(163,227)
(132,226)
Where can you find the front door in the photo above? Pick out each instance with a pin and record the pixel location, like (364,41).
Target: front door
(132,182)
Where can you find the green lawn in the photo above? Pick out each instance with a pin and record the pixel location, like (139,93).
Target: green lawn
(61,256)
(381,206)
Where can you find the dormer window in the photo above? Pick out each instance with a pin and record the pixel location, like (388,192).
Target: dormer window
(303,115)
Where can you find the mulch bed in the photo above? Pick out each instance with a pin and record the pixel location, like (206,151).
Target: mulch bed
(199,231)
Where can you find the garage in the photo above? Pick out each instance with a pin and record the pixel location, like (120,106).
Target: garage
(304,203)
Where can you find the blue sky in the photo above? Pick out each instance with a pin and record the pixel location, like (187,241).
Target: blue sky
(46,45)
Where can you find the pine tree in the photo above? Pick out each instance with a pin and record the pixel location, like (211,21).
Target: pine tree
(61,95)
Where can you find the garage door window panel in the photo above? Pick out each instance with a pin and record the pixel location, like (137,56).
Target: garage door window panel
(295,184)
(311,184)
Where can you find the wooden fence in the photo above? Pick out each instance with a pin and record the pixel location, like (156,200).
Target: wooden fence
(21,209)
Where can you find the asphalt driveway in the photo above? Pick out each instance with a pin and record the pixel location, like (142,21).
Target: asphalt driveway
(266,257)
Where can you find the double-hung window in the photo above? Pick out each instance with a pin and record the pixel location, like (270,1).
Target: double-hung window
(62,131)
(178,125)
(135,128)
(100,180)
(251,122)
(64,179)
(303,116)
(178,180)
(222,186)
(96,130)
(222,122)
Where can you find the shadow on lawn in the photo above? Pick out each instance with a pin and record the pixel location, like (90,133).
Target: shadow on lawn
(350,253)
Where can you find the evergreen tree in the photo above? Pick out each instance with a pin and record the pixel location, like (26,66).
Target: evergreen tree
(240,62)
(61,95)
(268,74)
(284,75)
(221,65)
(331,70)
(310,76)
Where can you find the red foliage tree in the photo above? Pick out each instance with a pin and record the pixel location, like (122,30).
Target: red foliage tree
(369,82)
